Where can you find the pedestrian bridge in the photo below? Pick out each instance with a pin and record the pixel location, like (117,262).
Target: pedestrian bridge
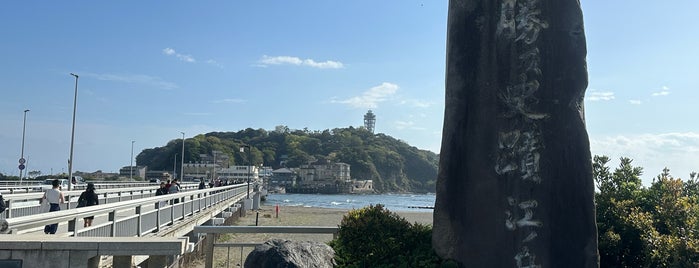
(128,222)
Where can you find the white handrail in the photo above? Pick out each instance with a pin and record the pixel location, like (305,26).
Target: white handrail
(36,221)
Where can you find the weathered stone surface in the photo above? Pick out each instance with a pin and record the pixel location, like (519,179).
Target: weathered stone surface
(515,184)
(290,254)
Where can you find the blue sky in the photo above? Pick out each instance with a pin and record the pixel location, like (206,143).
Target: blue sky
(151,69)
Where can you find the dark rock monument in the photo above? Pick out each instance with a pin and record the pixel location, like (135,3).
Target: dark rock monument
(290,254)
(515,185)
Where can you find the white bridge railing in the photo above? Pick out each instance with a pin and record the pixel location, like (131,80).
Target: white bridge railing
(128,218)
(26,204)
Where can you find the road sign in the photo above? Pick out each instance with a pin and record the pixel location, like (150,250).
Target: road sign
(22,161)
(21,166)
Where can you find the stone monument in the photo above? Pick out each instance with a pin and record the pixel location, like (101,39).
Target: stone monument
(515,185)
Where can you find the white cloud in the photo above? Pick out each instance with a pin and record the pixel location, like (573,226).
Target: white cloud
(664,91)
(282,60)
(594,95)
(677,151)
(635,102)
(407,125)
(134,79)
(214,63)
(372,97)
(171,52)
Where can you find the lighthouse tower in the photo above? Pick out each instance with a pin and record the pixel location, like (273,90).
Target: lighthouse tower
(370,121)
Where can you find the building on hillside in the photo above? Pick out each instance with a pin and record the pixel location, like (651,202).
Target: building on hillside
(239,174)
(207,167)
(133,171)
(329,173)
(283,177)
(217,157)
(200,170)
(323,178)
(161,175)
(362,187)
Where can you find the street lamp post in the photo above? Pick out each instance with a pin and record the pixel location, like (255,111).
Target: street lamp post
(174,167)
(131,166)
(242,149)
(213,168)
(21,157)
(182,163)
(72,135)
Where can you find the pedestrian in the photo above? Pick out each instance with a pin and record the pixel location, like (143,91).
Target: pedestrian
(88,198)
(54,197)
(3,206)
(162,190)
(174,187)
(201,184)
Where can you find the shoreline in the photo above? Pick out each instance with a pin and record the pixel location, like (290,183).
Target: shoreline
(289,216)
(318,216)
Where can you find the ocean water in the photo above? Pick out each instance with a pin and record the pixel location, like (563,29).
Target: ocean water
(392,202)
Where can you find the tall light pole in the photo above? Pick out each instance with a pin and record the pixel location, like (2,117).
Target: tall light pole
(174,167)
(131,166)
(213,171)
(242,150)
(182,163)
(72,135)
(21,157)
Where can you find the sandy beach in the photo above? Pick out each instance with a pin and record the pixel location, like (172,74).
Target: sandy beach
(288,216)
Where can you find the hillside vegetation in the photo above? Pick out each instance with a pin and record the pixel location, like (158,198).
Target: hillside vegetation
(393,165)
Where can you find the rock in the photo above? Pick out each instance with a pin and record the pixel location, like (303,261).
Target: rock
(277,253)
(515,186)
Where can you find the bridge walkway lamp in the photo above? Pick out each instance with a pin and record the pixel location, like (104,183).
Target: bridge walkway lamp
(242,150)
(182,161)
(21,156)
(131,166)
(174,168)
(72,134)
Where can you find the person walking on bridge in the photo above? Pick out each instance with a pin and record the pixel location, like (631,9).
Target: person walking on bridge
(162,190)
(88,198)
(54,197)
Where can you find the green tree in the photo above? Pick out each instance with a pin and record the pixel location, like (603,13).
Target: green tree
(645,227)
(376,237)
(392,164)
(620,221)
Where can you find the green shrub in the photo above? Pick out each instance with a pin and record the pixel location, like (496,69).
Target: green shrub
(375,237)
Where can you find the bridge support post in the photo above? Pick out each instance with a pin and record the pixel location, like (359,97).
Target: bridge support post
(209,250)
(156,261)
(94,262)
(139,224)
(122,261)
(158,223)
(71,227)
(112,220)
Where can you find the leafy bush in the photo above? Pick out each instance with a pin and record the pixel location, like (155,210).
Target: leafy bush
(375,237)
(645,226)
